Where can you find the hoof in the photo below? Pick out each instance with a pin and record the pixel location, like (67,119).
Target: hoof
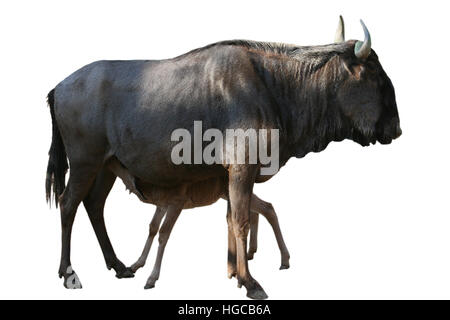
(284,266)
(231,274)
(127,273)
(135,267)
(149,286)
(250,255)
(71,280)
(257,294)
(254,290)
(150,283)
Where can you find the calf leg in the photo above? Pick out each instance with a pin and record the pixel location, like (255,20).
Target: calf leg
(254,219)
(80,180)
(241,179)
(94,204)
(154,227)
(171,217)
(267,210)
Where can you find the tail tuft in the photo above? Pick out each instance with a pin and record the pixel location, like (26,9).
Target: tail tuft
(57,162)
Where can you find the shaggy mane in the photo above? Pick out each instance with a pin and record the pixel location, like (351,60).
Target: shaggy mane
(323,53)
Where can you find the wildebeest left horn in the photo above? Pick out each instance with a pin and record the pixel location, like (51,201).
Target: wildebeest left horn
(362,49)
(340,32)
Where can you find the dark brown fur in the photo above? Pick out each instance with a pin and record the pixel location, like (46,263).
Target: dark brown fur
(126,110)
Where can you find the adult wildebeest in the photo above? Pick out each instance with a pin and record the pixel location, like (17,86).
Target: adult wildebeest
(112,113)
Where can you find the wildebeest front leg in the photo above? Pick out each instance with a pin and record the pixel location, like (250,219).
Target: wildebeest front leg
(154,227)
(94,204)
(241,179)
(80,180)
(171,217)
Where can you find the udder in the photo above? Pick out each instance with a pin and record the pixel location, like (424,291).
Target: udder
(205,192)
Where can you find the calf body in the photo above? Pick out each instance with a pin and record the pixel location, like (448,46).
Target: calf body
(194,195)
(258,206)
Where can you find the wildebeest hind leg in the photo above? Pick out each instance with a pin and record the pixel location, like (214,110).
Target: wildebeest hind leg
(94,204)
(80,180)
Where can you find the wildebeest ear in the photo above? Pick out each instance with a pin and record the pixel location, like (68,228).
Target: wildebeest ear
(340,31)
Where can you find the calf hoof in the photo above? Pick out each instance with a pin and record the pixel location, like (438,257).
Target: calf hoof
(149,286)
(150,283)
(284,266)
(126,273)
(136,266)
(71,280)
(231,274)
(250,255)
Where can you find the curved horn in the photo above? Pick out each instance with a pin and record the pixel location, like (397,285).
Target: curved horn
(340,32)
(362,49)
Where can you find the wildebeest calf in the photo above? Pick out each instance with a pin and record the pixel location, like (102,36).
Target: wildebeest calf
(198,194)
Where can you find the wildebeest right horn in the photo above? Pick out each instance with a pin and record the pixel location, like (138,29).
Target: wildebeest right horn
(362,49)
(340,32)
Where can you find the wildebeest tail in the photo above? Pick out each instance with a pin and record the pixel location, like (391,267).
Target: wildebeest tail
(57,162)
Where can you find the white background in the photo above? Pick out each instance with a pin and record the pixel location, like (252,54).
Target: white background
(360,223)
